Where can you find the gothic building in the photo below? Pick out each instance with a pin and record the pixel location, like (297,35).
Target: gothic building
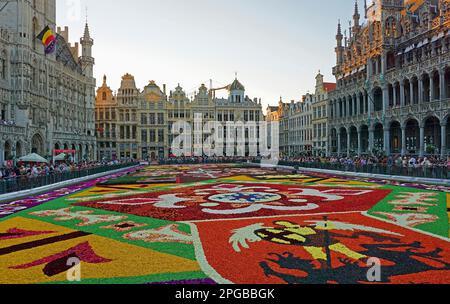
(393,80)
(138,124)
(46,101)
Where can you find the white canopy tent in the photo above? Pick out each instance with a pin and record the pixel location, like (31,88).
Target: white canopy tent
(33,158)
(60,157)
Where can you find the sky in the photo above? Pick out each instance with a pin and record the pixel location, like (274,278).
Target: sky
(276,47)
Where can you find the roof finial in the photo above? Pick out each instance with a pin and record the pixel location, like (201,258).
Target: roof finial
(236,75)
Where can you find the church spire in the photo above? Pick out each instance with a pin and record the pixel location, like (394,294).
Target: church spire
(339,36)
(339,47)
(86,35)
(87,61)
(356,18)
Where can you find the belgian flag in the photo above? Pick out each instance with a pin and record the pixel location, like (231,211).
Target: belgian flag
(48,39)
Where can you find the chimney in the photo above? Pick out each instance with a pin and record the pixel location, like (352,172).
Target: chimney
(164,89)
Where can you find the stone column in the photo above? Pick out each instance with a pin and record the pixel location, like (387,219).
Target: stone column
(370,103)
(443,89)
(339,142)
(422,141)
(358,105)
(387,141)
(411,92)
(403,141)
(385,98)
(347,106)
(2,153)
(402,94)
(443,140)
(421,93)
(371,139)
(348,143)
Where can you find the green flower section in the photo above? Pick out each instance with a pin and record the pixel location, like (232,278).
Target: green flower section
(166,277)
(177,249)
(414,208)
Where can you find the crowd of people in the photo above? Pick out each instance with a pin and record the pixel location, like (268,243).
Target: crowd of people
(205,160)
(397,161)
(27,170)
(23,170)
(7,122)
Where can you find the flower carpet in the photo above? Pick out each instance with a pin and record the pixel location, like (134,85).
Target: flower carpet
(208,224)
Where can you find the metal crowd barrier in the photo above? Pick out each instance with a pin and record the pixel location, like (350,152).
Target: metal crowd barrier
(27,183)
(426,172)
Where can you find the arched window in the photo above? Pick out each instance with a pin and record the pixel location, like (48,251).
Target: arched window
(390,27)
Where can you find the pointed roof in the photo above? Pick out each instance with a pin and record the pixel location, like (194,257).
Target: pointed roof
(237,86)
(86,32)
(339,29)
(356,9)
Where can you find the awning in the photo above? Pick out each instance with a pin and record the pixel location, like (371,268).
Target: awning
(33,158)
(410,48)
(60,157)
(437,37)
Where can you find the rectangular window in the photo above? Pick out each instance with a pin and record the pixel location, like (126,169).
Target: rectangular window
(152,136)
(160,118)
(152,119)
(2,68)
(122,132)
(143,119)
(161,136)
(144,136)
(3,112)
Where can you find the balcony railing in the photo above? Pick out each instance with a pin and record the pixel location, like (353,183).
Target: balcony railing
(15,130)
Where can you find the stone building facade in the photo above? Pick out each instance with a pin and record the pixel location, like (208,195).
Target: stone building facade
(393,81)
(320,116)
(303,125)
(143,121)
(46,101)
